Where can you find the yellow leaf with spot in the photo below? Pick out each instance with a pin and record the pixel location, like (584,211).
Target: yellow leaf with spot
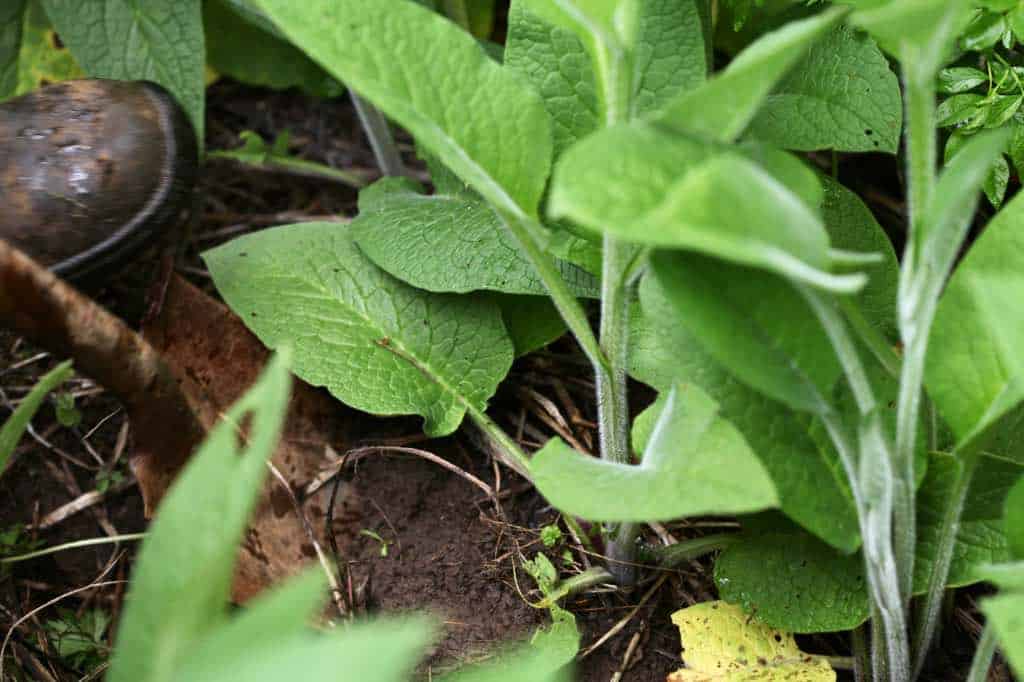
(721,643)
(41,57)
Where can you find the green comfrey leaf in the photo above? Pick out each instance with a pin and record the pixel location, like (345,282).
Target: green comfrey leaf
(695,463)
(643,424)
(162,42)
(921,33)
(1006,613)
(841,96)
(577,250)
(182,579)
(648,187)
(794,581)
(981,539)
(810,482)
(557,65)
(532,322)
(608,30)
(14,428)
(449,243)
(29,55)
(723,107)
(974,371)
(670,56)
(376,343)
(852,227)
(754,324)
(1014,521)
(482,120)
(998,178)
(237,47)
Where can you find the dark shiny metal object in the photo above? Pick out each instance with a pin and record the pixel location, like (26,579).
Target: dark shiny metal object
(92,171)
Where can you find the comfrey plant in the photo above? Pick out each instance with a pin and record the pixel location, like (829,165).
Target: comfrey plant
(598,159)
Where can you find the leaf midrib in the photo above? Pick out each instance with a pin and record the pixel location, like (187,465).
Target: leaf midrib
(411,358)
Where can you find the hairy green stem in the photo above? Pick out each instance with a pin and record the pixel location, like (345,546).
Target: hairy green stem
(922,157)
(931,605)
(509,451)
(879,648)
(377,131)
(908,409)
(861,653)
(612,403)
(612,406)
(983,656)
(921,144)
(872,485)
(872,339)
(567,304)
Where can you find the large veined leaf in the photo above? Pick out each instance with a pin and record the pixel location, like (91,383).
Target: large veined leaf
(724,106)
(841,96)
(810,482)
(695,463)
(449,243)
(677,192)
(157,40)
(616,175)
(980,539)
(182,578)
(975,370)
(607,29)
(483,121)
(669,56)
(754,324)
(554,60)
(796,582)
(14,427)
(376,343)
(852,227)
(29,52)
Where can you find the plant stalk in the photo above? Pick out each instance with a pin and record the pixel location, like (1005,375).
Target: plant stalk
(565,301)
(511,454)
(983,656)
(873,339)
(379,134)
(861,653)
(922,158)
(612,405)
(872,485)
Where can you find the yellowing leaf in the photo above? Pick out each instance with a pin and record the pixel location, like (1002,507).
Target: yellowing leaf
(721,642)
